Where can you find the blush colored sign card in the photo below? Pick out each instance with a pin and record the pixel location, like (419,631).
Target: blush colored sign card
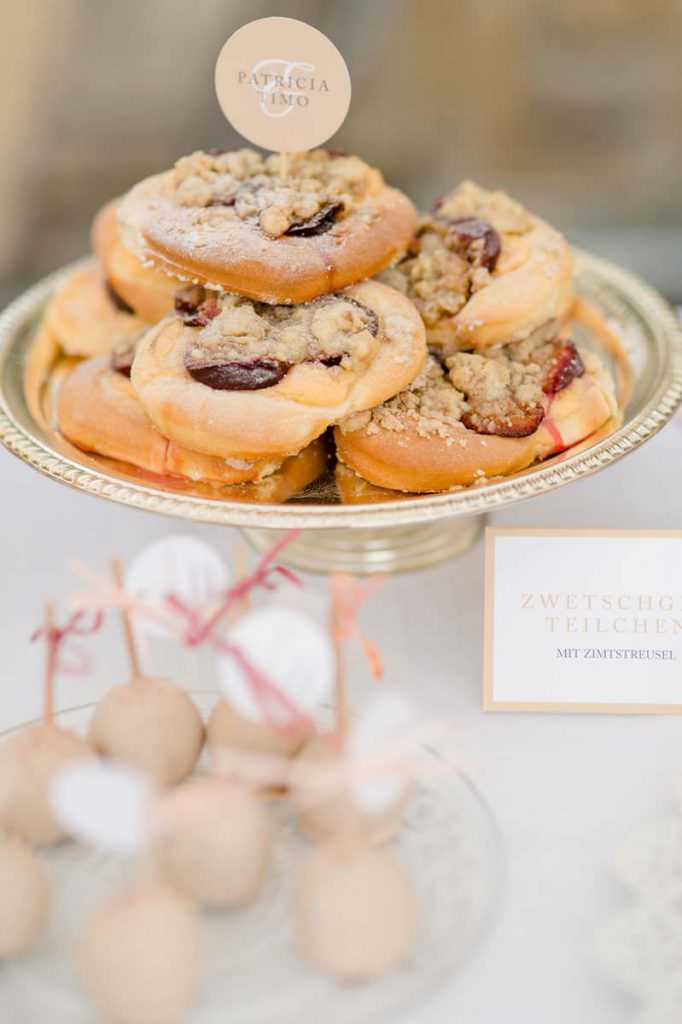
(583,621)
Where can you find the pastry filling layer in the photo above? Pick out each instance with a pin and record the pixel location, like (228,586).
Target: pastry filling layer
(505,393)
(241,345)
(319,189)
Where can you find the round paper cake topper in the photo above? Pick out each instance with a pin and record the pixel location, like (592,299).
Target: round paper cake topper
(182,566)
(282,84)
(290,649)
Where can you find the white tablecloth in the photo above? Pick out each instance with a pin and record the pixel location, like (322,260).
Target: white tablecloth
(565,789)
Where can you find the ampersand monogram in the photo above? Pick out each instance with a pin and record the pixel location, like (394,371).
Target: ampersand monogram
(285,103)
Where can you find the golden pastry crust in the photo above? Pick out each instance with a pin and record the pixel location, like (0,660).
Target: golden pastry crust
(414,452)
(98,411)
(227,220)
(286,416)
(84,318)
(482,271)
(149,291)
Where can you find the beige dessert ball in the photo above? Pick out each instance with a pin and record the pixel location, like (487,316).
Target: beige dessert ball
(151,724)
(219,844)
(28,762)
(228,728)
(140,956)
(324,816)
(355,911)
(24,897)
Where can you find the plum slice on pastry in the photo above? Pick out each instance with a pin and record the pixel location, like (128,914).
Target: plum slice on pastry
(261,378)
(472,416)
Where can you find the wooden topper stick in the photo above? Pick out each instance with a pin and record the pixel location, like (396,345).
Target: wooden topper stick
(245,604)
(50,665)
(284,167)
(117,573)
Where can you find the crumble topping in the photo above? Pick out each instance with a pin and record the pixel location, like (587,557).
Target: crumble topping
(242,345)
(320,188)
(503,393)
(455,254)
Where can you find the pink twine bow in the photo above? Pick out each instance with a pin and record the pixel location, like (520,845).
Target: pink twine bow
(348,596)
(77,625)
(277,708)
(199,627)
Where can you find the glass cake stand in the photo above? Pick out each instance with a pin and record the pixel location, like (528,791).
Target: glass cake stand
(449,843)
(373,530)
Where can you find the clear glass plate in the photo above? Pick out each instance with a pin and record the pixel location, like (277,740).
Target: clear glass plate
(449,842)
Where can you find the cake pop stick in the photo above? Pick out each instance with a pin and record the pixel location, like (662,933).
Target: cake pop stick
(341,699)
(50,666)
(150,723)
(135,673)
(30,757)
(139,955)
(337,814)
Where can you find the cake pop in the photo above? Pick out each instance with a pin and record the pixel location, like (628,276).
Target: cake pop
(24,897)
(326,801)
(148,722)
(139,956)
(216,847)
(355,911)
(30,757)
(277,671)
(350,781)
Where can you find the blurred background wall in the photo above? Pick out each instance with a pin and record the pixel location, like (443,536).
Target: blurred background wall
(574,106)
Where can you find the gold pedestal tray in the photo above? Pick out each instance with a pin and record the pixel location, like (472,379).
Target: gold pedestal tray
(346,524)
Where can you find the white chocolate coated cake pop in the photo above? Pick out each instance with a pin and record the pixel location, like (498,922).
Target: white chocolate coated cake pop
(149,723)
(351,782)
(355,911)
(24,897)
(295,658)
(28,763)
(217,846)
(139,956)
(30,758)
(324,812)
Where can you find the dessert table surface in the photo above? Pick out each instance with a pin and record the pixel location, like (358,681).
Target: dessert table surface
(565,789)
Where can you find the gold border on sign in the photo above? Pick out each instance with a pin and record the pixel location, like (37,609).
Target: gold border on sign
(489,702)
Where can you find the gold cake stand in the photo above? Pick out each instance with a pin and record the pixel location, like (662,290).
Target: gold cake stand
(369,530)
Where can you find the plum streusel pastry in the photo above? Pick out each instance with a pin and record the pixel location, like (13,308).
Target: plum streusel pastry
(230,220)
(87,317)
(231,377)
(98,411)
(473,416)
(483,271)
(150,292)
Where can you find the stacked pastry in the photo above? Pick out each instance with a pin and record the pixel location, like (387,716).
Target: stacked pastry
(503,387)
(229,320)
(234,315)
